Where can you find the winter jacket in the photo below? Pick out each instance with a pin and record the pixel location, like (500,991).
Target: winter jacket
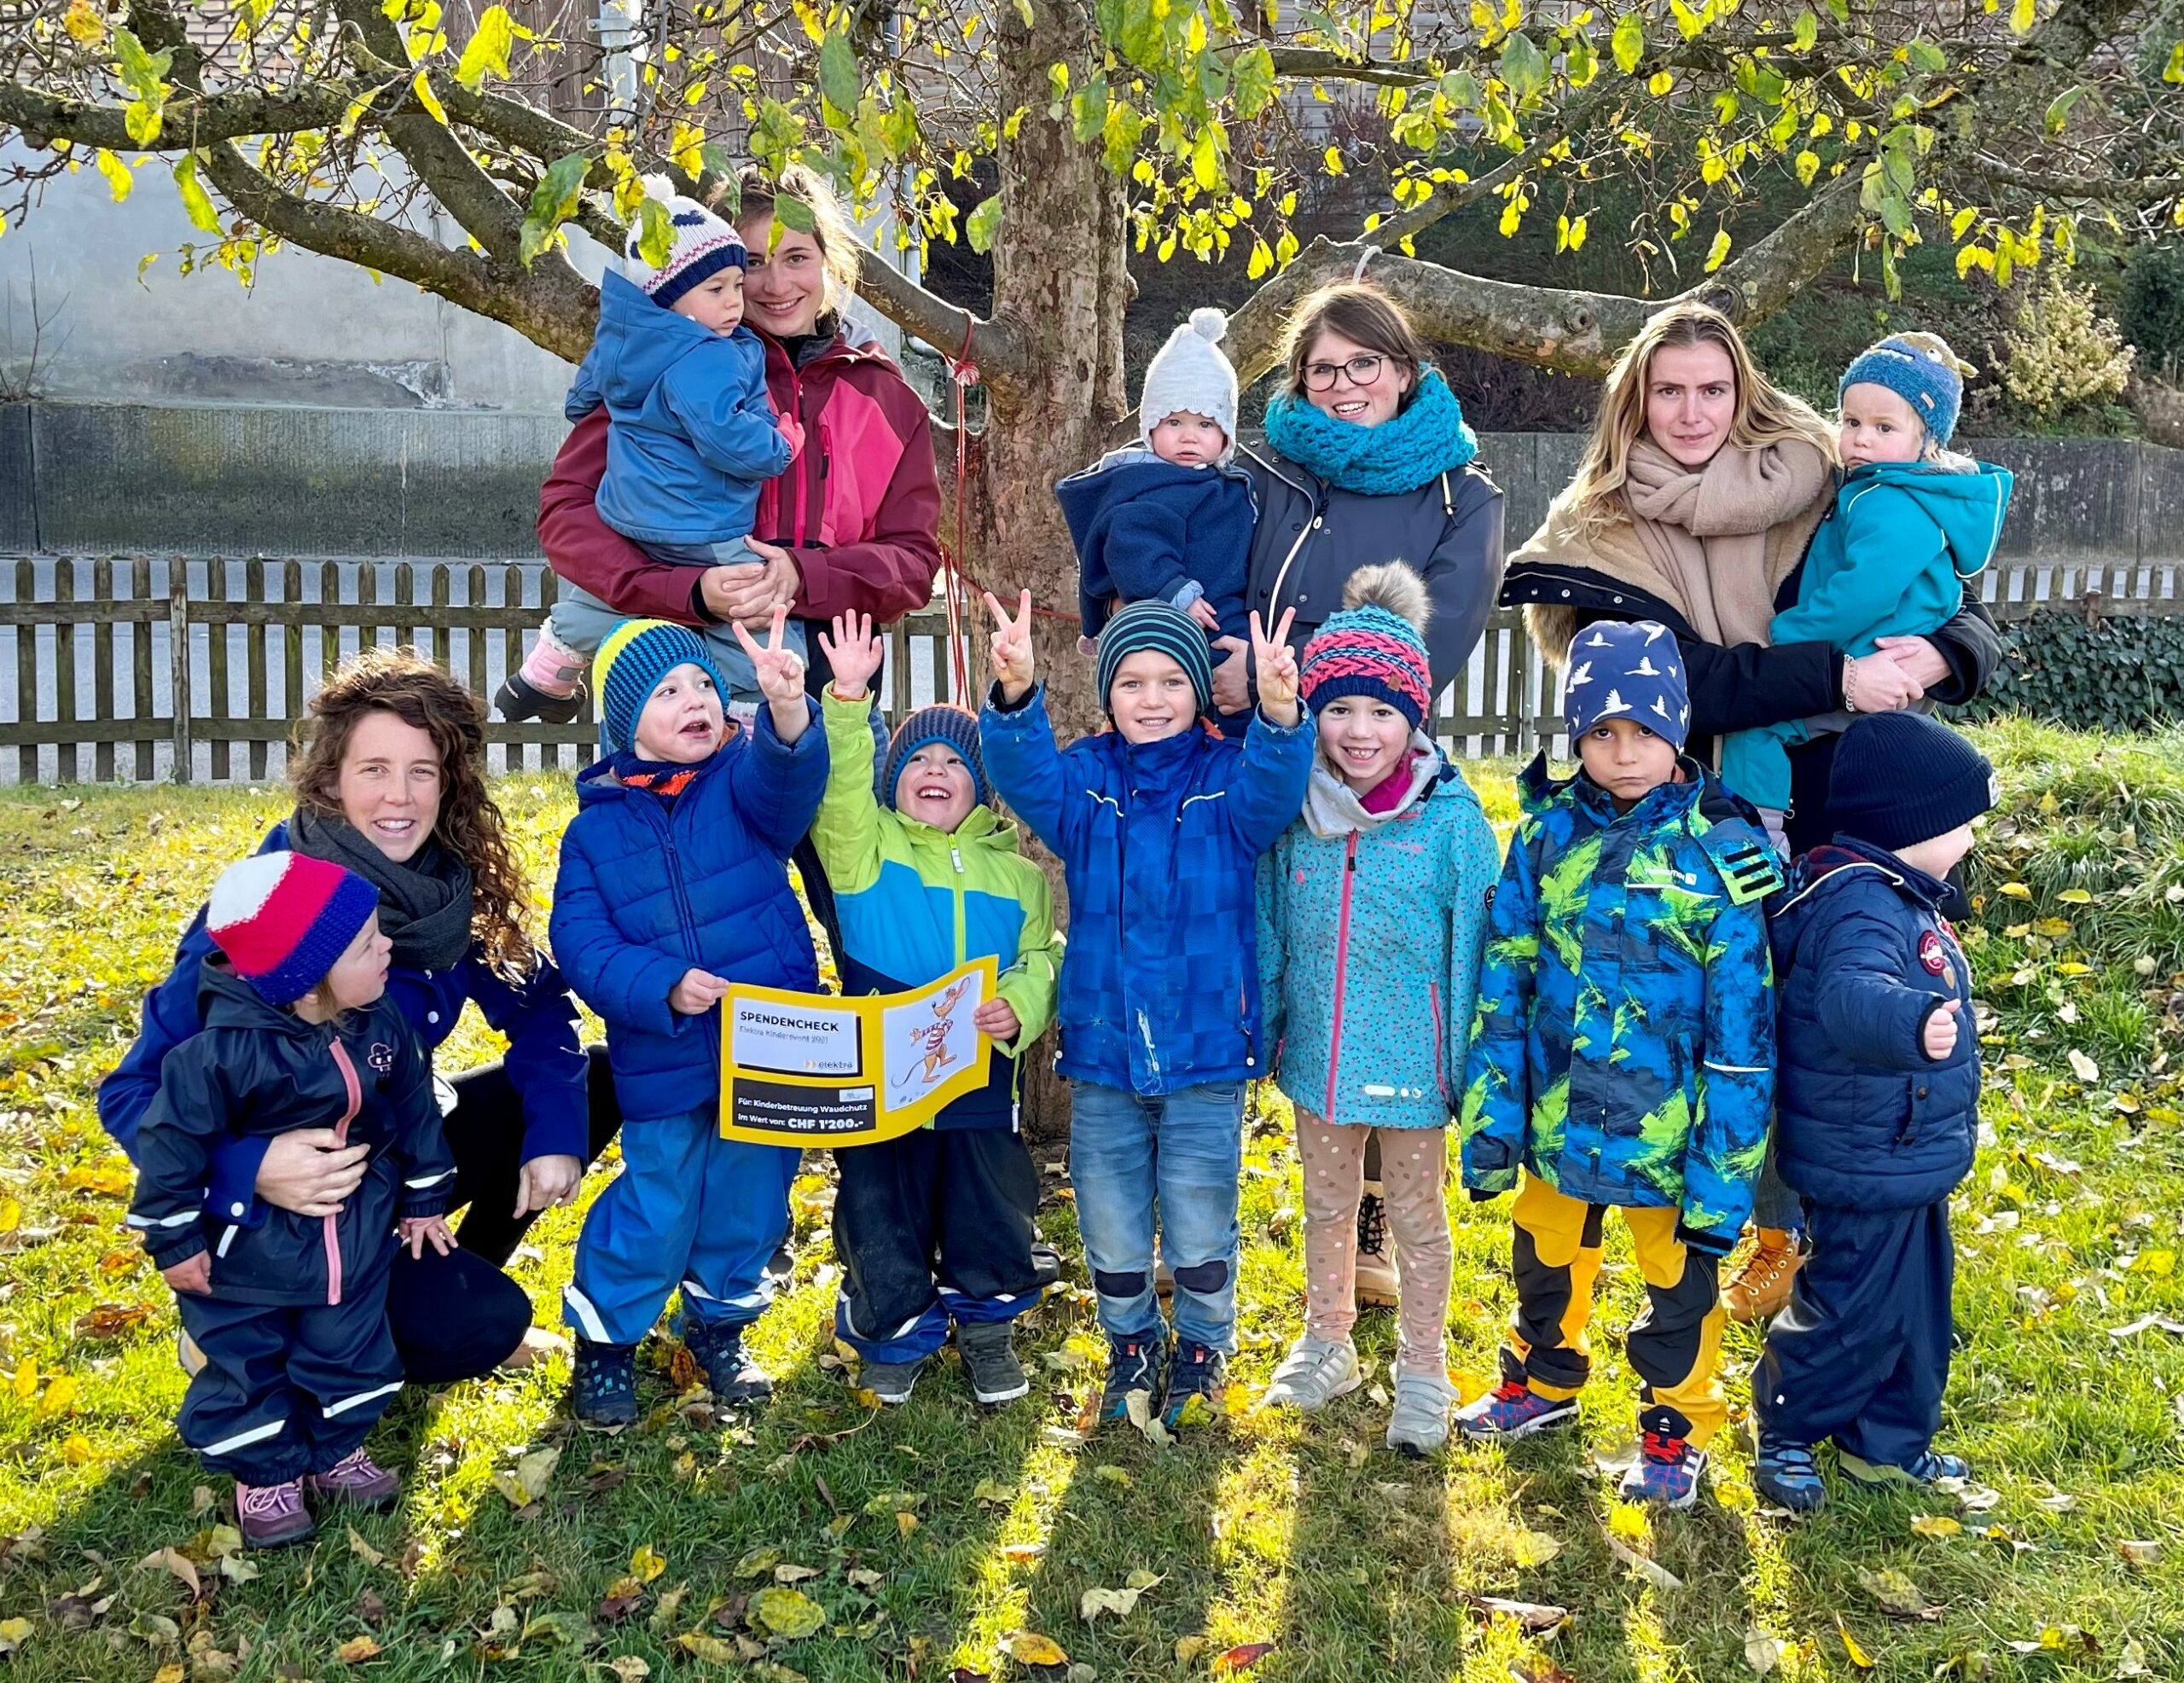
(545,1058)
(691,434)
(1863,1118)
(1623,1051)
(1159,843)
(1368,954)
(257,1069)
(914,903)
(858,510)
(1147,528)
(1311,536)
(651,888)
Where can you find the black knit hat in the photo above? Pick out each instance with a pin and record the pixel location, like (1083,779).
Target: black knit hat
(1152,624)
(955,728)
(1901,778)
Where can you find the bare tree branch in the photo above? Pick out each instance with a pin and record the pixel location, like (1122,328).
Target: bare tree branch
(949,329)
(1321,65)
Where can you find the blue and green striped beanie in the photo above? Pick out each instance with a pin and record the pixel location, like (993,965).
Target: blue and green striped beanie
(635,656)
(1152,624)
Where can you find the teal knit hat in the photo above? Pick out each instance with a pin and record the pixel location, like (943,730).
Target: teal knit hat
(1152,624)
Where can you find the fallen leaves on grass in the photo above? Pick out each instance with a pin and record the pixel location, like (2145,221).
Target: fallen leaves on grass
(2060,1639)
(1762,1653)
(1241,1657)
(1137,1407)
(111,1321)
(357,1650)
(787,1613)
(2147,1323)
(1121,1603)
(1935,1525)
(1028,1647)
(993,1491)
(2140,1554)
(622,1598)
(180,1564)
(14,1633)
(1897,1595)
(647,1564)
(530,1477)
(1651,1570)
(1537,1618)
(1858,1655)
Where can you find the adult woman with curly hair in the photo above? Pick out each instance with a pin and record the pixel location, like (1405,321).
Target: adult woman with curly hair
(390,784)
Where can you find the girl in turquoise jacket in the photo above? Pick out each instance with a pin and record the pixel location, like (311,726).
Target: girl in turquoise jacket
(1372,910)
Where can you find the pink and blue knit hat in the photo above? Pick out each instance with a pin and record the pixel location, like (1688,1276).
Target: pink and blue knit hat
(1374,647)
(284,919)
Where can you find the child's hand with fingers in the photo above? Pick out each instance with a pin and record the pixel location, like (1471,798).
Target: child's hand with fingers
(780,672)
(1015,668)
(1202,611)
(194,1275)
(697,992)
(1938,1038)
(1277,668)
(416,1229)
(855,654)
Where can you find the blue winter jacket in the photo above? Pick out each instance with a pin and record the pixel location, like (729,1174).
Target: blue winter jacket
(1863,1118)
(1147,528)
(691,433)
(545,1058)
(1159,843)
(650,888)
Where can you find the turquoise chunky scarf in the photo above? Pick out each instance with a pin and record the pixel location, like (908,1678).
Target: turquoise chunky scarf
(1426,438)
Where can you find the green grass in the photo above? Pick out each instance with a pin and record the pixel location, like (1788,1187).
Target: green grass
(1306,1534)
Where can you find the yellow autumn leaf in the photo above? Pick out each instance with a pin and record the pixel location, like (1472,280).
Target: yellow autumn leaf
(11,1214)
(1934,1525)
(76,1450)
(710,1649)
(60,1396)
(85,23)
(647,1564)
(787,1612)
(357,1650)
(2017,890)
(426,98)
(14,1633)
(172,1672)
(1028,1647)
(2075,897)
(1850,1647)
(1718,252)
(2159,1263)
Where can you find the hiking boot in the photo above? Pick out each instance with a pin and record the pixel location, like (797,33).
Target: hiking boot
(1666,1474)
(1133,1365)
(518,698)
(1377,1285)
(1786,1475)
(1930,1468)
(730,1375)
(892,1382)
(269,1515)
(989,1353)
(603,1385)
(1418,1425)
(1761,1285)
(1194,1370)
(1315,1372)
(355,1479)
(1514,1409)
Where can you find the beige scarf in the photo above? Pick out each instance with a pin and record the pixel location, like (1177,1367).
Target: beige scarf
(1705,531)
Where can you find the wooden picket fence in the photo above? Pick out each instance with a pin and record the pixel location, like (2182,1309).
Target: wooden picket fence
(99,693)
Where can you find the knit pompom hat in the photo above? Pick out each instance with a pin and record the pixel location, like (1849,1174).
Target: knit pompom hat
(1921,369)
(953,727)
(1628,671)
(284,919)
(1152,624)
(1374,647)
(704,244)
(1901,778)
(635,656)
(1188,376)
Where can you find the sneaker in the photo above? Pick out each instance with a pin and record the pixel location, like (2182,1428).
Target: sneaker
(190,1359)
(892,1382)
(518,698)
(1418,1425)
(355,1479)
(989,1351)
(269,1515)
(1786,1475)
(730,1375)
(1930,1468)
(1376,1284)
(1315,1372)
(1133,1365)
(603,1385)
(1667,1472)
(1761,1285)
(1514,1409)
(1194,1370)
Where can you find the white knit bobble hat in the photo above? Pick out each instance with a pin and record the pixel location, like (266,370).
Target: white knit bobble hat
(1189,375)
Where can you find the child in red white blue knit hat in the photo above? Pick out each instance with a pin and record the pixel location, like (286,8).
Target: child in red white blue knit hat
(290,1312)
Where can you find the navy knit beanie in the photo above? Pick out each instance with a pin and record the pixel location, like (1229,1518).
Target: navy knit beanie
(953,727)
(1152,624)
(635,656)
(1902,778)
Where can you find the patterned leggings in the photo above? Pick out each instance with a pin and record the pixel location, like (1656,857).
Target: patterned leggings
(1414,1170)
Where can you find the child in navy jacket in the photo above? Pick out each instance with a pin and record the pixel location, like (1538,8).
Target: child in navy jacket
(673,887)
(1158,826)
(290,1314)
(1877,1114)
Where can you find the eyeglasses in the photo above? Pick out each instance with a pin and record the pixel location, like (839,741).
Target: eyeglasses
(1362,371)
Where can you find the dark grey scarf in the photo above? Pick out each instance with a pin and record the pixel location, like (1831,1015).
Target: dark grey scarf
(424,903)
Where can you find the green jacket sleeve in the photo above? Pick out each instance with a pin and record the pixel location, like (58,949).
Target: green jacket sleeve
(1029,984)
(846,832)
(1497,1095)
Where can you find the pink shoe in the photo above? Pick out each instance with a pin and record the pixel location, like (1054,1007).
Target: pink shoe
(357,1480)
(269,1515)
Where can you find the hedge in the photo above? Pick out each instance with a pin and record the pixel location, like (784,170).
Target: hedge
(2123,674)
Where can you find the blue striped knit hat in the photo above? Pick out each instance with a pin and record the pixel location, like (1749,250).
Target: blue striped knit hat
(635,656)
(953,727)
(1152,624)
(1921,369)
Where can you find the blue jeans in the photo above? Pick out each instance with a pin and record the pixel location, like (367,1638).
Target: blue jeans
(1132,1158)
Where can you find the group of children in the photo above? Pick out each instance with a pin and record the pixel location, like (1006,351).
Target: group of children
(1309,893)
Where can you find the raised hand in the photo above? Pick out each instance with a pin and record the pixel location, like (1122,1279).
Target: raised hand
(1013,667)
(854,653)
(1277,667)
(780,672)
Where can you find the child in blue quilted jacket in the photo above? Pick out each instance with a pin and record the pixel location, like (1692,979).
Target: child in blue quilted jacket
(1372,910)
(1877,1115)
(674,887)
(1159,825)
